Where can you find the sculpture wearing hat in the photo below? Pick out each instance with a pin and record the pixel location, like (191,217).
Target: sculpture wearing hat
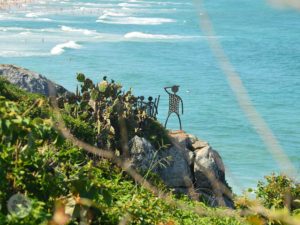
(174,103)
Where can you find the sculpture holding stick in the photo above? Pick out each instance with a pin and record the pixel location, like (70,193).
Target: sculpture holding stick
(151,107)
(174,101)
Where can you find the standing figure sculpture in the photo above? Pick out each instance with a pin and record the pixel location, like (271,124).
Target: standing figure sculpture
(174,101)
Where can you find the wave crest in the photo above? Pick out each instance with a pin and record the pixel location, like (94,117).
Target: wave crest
(141,35)
(137,21)
(84,31)
(60,48)
(108,13)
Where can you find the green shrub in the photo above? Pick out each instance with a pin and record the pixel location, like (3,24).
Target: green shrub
(106,116)
(35,105)
(279,191)
(36,162)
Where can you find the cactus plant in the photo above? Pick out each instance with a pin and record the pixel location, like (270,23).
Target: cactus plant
(108,110)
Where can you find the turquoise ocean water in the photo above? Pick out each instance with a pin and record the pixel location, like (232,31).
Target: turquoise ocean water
(149,44)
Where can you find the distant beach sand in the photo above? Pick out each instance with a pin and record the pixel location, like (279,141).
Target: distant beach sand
(8,4)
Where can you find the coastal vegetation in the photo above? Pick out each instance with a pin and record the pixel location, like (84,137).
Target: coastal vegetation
(67,185)
(97,113)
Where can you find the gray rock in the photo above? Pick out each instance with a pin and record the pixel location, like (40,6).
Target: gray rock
(191,157)
(206,167)
(28,80)
(179,138)
(143,155)
(199,173)
(172,165)
(209,175)
(192,138)
(177,173)
(199,144)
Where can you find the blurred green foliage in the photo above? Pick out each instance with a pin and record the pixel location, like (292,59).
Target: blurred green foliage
(37,162)
(40,164)
(279,191)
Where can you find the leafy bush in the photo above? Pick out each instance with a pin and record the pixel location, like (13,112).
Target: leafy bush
(29,102)
(279,191)
(58,177)
(104,115)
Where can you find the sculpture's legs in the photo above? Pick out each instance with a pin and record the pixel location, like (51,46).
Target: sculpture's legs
(179,121)
(167,120)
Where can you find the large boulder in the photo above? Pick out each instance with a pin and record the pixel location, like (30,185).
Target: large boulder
(172,165)
(29,80)
(190,166)
(207,169)
(208,165)
(143,155)
(209,174)
(177,172)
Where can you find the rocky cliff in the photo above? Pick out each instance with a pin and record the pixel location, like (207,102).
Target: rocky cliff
(189,166)
(28,80)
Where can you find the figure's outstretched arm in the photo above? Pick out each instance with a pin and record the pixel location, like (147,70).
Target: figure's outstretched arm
(166,89)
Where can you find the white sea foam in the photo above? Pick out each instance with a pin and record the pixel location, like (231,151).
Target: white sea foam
(44,19)
(13,29)
(171,3)
(141,35)
(161,3)
(83,31)
(22,30)
(99,5)
(110,13)
(130,5)
(14,18)
(136,21)
(31,15)
(60,48)
(11,53)
(25,33)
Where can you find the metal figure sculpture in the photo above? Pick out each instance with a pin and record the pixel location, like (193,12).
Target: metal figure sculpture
(140,102)
(156,102)
(174,101)
(150,107)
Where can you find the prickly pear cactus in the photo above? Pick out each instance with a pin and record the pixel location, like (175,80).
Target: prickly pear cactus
(111,112)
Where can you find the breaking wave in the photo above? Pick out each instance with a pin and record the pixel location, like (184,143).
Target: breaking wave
(60,48)
(83,31)
(132,5)
(141,35)
(33,15)
(108,13)
(136,21)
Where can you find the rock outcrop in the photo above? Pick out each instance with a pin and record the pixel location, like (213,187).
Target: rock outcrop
(191,167)
(176,174)
(28,80)
(143,155)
